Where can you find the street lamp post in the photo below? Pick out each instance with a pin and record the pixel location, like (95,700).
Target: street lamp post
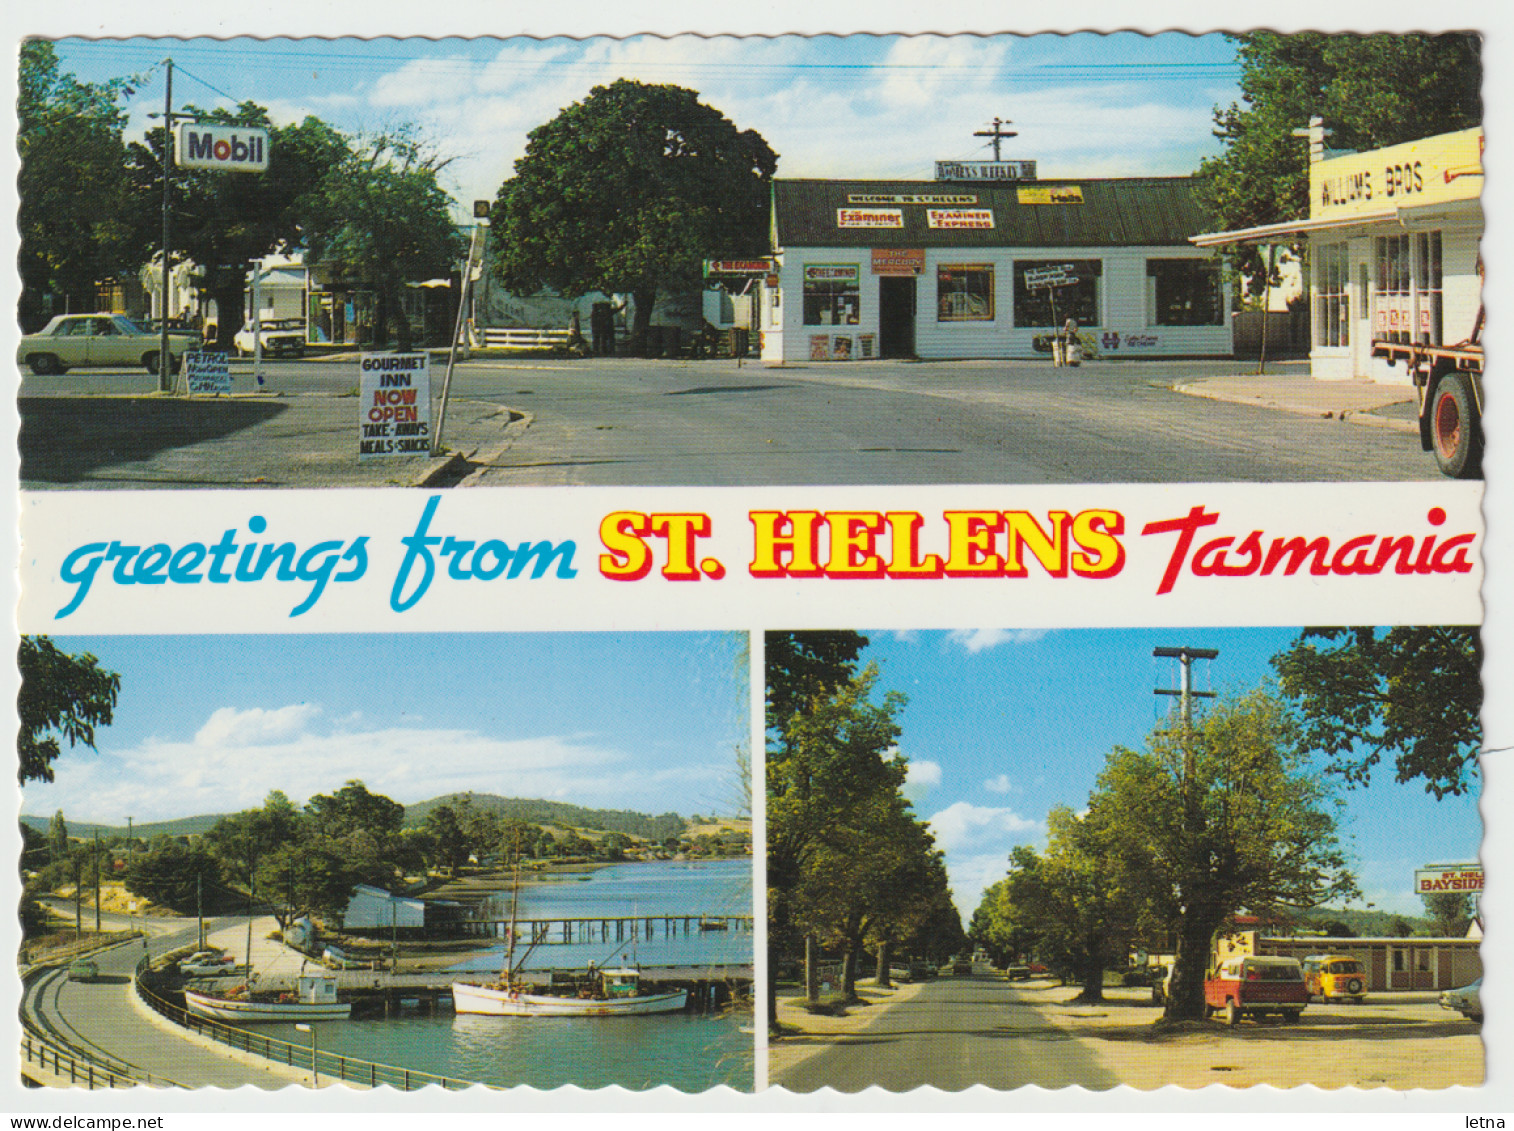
(315,1072)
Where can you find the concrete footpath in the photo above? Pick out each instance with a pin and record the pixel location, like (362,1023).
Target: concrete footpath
(1290,390)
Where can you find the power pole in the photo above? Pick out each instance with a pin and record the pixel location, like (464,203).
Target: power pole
(997,134)
(97,881)
(1185,692)
(199,911)
(165,358)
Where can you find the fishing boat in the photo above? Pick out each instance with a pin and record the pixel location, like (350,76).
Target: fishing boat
(313,999)
(614,992)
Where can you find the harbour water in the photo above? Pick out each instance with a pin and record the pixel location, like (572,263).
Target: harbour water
(688,1051)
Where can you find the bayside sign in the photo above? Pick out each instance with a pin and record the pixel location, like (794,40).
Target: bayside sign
(240,149)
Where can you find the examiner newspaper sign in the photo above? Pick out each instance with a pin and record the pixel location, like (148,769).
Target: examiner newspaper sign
(395,405)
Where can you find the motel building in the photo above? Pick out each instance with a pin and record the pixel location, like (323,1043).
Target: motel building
(1392,249)
(948,269)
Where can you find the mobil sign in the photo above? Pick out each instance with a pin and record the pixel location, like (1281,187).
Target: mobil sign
(236,149)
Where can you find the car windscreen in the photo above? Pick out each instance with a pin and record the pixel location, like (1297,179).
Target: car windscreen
(126,326)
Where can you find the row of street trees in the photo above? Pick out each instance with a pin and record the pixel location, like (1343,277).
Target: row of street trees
(1237,811)
(850,867)
(625,192)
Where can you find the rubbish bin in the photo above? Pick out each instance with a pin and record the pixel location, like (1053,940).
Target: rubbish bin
(654,341)
(1074,352)
(739,340)
(672,340)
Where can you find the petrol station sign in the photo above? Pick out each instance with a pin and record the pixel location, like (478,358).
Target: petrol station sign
(234,149)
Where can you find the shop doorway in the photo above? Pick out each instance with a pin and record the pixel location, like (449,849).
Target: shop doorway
(896,316)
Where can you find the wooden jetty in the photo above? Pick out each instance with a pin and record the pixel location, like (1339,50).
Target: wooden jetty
(628,928)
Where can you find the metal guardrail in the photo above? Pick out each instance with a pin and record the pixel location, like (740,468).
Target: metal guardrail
(48,1056)
(348,1069)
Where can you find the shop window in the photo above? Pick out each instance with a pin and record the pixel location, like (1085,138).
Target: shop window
(1427,286)
(1054,306)
(1332,313)
(831,295)
(1184,292)
(1407,303)
(965,292)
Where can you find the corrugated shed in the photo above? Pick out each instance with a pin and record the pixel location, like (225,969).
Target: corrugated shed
(1123,212)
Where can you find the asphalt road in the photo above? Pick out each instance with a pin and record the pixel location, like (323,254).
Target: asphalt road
(952,1034)
(100,1020)
(643,422)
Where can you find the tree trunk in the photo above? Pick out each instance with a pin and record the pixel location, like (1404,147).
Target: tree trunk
(229,313)
(642,319)
(1185,1001)
(849,973)
(882,978)
(401,323)
(1093,979)
(811,973)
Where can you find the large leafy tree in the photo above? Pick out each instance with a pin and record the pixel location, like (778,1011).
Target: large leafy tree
(1371,91)
(380,218)
(1412,692)
(314,877)
(1216,817)
(240,840)
(224,220)
(61,695)
(628,191)
(76,215)
(176,875)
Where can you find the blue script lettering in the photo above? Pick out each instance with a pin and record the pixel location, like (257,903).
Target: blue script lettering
(161,564)
(469,560)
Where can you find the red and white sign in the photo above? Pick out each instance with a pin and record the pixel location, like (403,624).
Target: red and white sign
(237,149)
(870,218)
(959,217)
(1449,877)
(899,261)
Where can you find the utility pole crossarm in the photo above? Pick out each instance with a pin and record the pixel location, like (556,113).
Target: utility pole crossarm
(997,134)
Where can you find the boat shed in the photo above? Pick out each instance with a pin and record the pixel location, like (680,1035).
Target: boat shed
(372,908)
(1393,249)
(939,269)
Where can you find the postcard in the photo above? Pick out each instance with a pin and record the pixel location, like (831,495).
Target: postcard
(764,573)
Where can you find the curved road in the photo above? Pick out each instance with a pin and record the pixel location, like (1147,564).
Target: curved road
(953,1033)
(101,1021)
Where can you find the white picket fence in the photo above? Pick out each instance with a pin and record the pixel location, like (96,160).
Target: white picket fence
(514,339)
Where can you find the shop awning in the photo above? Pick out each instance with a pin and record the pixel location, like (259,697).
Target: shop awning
(1463,211)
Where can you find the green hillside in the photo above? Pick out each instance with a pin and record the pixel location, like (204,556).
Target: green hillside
(560,813)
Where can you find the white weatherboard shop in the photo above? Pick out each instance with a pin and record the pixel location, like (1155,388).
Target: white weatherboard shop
(1393,236)
(938,270)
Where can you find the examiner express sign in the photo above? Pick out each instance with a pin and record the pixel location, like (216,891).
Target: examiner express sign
(238,149)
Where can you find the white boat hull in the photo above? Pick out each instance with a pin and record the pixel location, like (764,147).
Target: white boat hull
(504,1003)
(234,1010)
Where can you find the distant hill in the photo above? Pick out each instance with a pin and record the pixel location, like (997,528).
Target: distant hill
(536,812)
(83,830)
(559,813)
(1368,924)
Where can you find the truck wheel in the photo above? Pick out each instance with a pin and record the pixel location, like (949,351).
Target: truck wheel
(1455,432)
(1232,1012)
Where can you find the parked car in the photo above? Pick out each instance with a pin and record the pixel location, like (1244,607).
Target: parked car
(83,970)
(80,341)
(1331,976)
(900,973)
(280,336)
(1467,1001)
(1255,985)
(207,964)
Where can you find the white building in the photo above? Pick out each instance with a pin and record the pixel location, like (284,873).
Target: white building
(935,269)
(1393,249)
(374,908)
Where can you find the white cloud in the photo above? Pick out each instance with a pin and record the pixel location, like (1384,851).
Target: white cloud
(923,773)
(976,640)
(1000,784)
(976,840)
(255,727)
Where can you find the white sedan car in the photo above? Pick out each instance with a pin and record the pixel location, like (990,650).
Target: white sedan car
(77,341)
(1467,1001)
(281,336)
(207,963)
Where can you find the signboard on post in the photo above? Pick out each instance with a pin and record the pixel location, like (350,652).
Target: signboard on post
(1040,278)
(394,399)
(207,373)
(985,170)
(239,149)
(1463,878)
(737,267)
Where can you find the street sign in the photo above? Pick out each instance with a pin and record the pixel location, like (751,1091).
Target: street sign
(737,267)
(1040,278)
(227,149)
(480,209)
(394,399)
(207,373)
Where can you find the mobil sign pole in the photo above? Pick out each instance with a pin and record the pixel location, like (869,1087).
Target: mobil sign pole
(236,149)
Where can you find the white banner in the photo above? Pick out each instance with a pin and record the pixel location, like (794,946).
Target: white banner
(394,405)
(797,557)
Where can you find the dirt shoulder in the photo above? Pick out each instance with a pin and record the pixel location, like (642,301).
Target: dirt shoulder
(807,1034)
(1390,1041)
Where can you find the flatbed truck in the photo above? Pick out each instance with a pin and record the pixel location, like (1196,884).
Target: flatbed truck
(1448,384)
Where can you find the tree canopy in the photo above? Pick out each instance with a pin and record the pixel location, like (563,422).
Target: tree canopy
(1413,692)
(1371,90)
(61,695)
(628,191)
(76,215)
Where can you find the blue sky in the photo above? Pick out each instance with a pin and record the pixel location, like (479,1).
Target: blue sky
(211,724)
(1002,726)
(1122,104)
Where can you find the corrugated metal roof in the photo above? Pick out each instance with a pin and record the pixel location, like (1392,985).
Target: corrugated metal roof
(1131,211)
